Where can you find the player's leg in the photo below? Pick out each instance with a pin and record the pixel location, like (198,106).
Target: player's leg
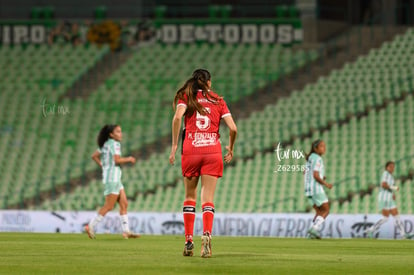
(314,230)
(189,207)
(312,234)
(208,189)
(322,210)
(190,165)
(110,201)
(123,214)
(211,170)
(399,223)
(385,214)
(316,212)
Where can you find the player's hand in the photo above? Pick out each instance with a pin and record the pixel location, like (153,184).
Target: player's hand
(172,158)
(393,197)
(132,160)
(229,156)
(329,185)
(394,188)
(172,155)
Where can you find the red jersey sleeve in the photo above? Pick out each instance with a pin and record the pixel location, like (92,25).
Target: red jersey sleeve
(224,109)
(182,102)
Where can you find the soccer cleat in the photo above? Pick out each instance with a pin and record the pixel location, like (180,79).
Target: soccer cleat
(206,245)
(314,234)
(129,235)
(90,232)
(188,248)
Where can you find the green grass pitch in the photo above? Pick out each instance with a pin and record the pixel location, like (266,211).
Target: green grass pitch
(24,253)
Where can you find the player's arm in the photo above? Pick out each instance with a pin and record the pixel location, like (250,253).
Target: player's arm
(232,137)
(96,156)
(176,126)
(320,180)
(388,187)
(120,160)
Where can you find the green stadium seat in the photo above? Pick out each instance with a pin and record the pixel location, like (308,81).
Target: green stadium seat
(100,12)
(48,12)
(36,13)
(357,79)
(281,11)
(213,11)
(160,11)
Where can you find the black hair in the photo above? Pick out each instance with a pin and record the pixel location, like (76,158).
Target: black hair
(314,145)
(388,163)
(104,133)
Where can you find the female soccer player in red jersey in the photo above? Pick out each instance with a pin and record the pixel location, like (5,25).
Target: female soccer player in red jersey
(201,156)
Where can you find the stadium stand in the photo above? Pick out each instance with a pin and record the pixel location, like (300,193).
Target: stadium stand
(371,123)
(345,117)
(32,122)
(152,72)
(340,139)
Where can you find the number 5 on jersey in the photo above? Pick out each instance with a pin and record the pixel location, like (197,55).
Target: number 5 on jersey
(203,122)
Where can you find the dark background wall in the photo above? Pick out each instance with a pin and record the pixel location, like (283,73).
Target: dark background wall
(367,11)
(21,9)
(346,11)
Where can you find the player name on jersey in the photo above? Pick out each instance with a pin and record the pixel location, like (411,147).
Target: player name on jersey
(203,139)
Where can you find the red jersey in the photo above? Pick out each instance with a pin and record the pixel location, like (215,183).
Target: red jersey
(202,131)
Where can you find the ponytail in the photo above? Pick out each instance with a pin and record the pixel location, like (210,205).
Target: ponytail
(189,90)
(314,146)
(104,133)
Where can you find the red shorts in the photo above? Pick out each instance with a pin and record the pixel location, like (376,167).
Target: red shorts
(205,164)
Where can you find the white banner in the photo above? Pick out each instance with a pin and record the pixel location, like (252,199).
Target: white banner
(226,224)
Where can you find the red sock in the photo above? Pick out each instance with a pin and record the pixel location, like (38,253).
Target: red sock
(189,217)
(208,217)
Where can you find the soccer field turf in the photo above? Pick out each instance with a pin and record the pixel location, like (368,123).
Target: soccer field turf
(24,253)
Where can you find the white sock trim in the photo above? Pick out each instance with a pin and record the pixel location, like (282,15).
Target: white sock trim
(318,223)
(378,224)
(94,222)
(124,223)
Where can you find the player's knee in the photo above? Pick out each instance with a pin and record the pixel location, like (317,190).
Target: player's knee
(109,207)
(325,207)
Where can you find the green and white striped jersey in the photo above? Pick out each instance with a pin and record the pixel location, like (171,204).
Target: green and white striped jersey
(314,163)
(110,171)
(385,194)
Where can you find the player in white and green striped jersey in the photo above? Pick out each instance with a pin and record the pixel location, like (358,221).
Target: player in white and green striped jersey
(314,182)
(108,156)
(111,172)
(386,202)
